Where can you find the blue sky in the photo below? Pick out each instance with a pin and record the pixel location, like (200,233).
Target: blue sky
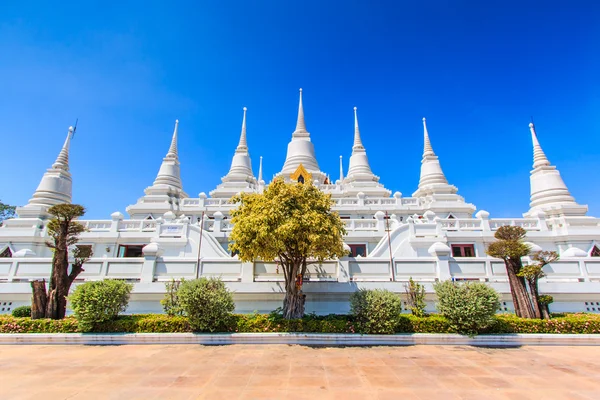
(476,70)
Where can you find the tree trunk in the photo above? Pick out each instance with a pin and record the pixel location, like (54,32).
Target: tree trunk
(545,311)
(535,298)
(293,302)
(518,290)
(39,299)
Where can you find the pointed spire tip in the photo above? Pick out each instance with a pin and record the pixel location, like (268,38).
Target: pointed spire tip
(70,129)
(355,108)
(424,119)
(531,125)
(300,90)
(245,109)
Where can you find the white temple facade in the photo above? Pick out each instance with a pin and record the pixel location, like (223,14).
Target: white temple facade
(431,236)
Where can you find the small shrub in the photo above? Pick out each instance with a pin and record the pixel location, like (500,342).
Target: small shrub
(469,307)
(100,301)
(375,311)
(415,295)
(207,303)
(23,311)
(170,303)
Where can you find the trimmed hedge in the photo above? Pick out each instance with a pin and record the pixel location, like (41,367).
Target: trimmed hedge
(161,323)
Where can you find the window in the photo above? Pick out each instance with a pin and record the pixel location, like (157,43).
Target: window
(450,216)
(463,250)
(595,252)
(301,179)
(130,250)
(6,253)
(344,217)
(358,250)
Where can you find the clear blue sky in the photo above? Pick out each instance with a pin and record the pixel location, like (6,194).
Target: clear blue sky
(477,70)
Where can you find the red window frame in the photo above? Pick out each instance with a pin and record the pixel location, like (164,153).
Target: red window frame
(463,250)
(358,249)
(130,250)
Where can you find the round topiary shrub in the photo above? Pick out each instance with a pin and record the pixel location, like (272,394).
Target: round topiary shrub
(100,301)
(207,302)
(23,311)
(469,307)
(375,311)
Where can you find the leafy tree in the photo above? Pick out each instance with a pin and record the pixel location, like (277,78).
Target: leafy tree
(532,273)
(290,224)
(469,307)
(510,248)
(99,301)
(64,233)
(207,303)
(6,212)
(415,294)
(171,303)
(375,310)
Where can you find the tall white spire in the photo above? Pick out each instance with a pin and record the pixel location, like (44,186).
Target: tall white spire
(357,142)
(341,170)
(240,177)
(438,195)
(243,145)
(260,170)
(55,186)
(301,150)
(62,161)
(432,178)
(300,123)
(427,149)
(169,175)
(360,178)
(539,158)
(548,190)
(359,163)
(172,153)
(166,191)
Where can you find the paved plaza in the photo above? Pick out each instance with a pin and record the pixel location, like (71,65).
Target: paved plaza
(298,372)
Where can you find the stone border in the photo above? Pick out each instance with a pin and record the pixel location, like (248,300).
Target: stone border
(307,339)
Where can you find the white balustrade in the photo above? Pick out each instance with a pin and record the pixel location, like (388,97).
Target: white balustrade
(97,225)
(131,225)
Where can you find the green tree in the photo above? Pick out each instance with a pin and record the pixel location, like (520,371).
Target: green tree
(64,233)
(415,296)
(291,224)
(532,273)
(6,212)
(510,248)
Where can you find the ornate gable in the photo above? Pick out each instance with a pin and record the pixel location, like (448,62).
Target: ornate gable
(301,175)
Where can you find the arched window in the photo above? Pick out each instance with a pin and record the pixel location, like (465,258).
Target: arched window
(301,179)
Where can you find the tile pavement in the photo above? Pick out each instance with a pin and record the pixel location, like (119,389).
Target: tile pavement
(298,372)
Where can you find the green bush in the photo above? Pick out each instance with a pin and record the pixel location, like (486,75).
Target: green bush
(469,307)
(375,311)
(170,303)
(415,297)
(161,323)
(100,301)
(10,324)
(23,311)
(207,302)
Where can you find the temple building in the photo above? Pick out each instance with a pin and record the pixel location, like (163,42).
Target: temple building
(430,236)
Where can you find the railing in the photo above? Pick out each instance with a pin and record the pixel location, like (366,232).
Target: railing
(97,225)
(190,202)
(527,224)
(360,224)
